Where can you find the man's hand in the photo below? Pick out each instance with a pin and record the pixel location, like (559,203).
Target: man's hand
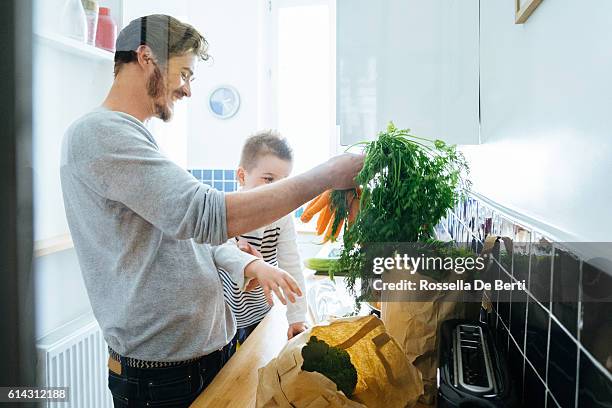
(273,279)
(343,169)
(295,329)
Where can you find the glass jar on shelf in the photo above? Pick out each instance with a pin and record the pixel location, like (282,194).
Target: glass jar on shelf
(106,34)
(91,13)
(73,22)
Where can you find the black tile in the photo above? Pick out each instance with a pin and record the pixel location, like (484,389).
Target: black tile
(535,392)
(566,277)
(596,314)
(541,265)
(501,337)
(491,319)
(521,249)
(518,311)
(491,272)
(567,313)
(520,267)
(562,366)
(595,388)
(551,401)
(504,298)
(596,282)
(515,364)
(507,233)
(537,336)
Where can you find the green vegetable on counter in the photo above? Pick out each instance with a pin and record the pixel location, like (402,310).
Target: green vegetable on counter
(320,264)
(332,362)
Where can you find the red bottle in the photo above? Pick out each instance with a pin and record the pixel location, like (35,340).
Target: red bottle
(106,34)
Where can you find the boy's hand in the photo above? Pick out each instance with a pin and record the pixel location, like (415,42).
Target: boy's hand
(244,246)
(295,329)
(253,283)
(273,279)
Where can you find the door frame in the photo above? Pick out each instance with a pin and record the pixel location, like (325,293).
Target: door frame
(17,347)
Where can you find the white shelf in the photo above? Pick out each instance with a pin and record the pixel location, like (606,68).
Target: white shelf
(75,47)
(52,245)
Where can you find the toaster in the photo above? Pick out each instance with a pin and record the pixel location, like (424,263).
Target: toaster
(471,371)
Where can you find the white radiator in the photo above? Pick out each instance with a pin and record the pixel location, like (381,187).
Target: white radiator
(76,356)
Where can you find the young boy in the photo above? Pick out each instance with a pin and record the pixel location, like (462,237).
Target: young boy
(266,158)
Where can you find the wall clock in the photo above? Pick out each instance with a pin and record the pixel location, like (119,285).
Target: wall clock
(224,101)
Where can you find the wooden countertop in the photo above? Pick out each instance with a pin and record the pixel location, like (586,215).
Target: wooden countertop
(236,384)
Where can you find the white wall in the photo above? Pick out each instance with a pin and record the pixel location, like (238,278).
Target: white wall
(232,29)
(65,86)
(546,90)
(60,291)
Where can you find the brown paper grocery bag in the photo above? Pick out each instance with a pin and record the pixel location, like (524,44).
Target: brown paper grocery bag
(415,325)
(385,377)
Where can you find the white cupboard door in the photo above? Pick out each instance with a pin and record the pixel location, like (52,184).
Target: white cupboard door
(412,62)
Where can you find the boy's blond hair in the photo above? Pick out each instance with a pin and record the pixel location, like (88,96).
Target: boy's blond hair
(261,144)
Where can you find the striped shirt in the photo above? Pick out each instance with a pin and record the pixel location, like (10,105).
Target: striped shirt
(277,244)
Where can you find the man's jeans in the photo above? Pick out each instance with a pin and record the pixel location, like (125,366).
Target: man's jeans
(175,386)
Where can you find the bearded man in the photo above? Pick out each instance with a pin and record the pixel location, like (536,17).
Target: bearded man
(149,237)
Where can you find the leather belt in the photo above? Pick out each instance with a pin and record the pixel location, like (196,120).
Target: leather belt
(136,363)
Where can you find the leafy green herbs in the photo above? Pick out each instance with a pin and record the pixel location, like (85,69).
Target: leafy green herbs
(408,184)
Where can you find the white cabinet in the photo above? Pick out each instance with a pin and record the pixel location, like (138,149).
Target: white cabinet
(412,62)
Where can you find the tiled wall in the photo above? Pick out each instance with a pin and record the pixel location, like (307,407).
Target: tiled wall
(220,179)
(224,180)
(557,335)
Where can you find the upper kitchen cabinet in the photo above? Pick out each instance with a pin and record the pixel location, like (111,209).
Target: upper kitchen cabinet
(412,62)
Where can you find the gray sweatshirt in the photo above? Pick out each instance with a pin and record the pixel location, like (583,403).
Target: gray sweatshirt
(143,228)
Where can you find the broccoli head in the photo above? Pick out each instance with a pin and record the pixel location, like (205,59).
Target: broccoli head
(332,362)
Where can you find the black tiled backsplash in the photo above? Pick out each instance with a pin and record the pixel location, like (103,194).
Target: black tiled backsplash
(516,367)
(596,314)
(502,336)
(557,335)
(551,401)
(541,268)
(566,278)
(595,388)
(534,393)
(503,305)
(536,346)
(562,366)
(518,314)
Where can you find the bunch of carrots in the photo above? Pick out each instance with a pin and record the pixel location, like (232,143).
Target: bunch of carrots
(333,207)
